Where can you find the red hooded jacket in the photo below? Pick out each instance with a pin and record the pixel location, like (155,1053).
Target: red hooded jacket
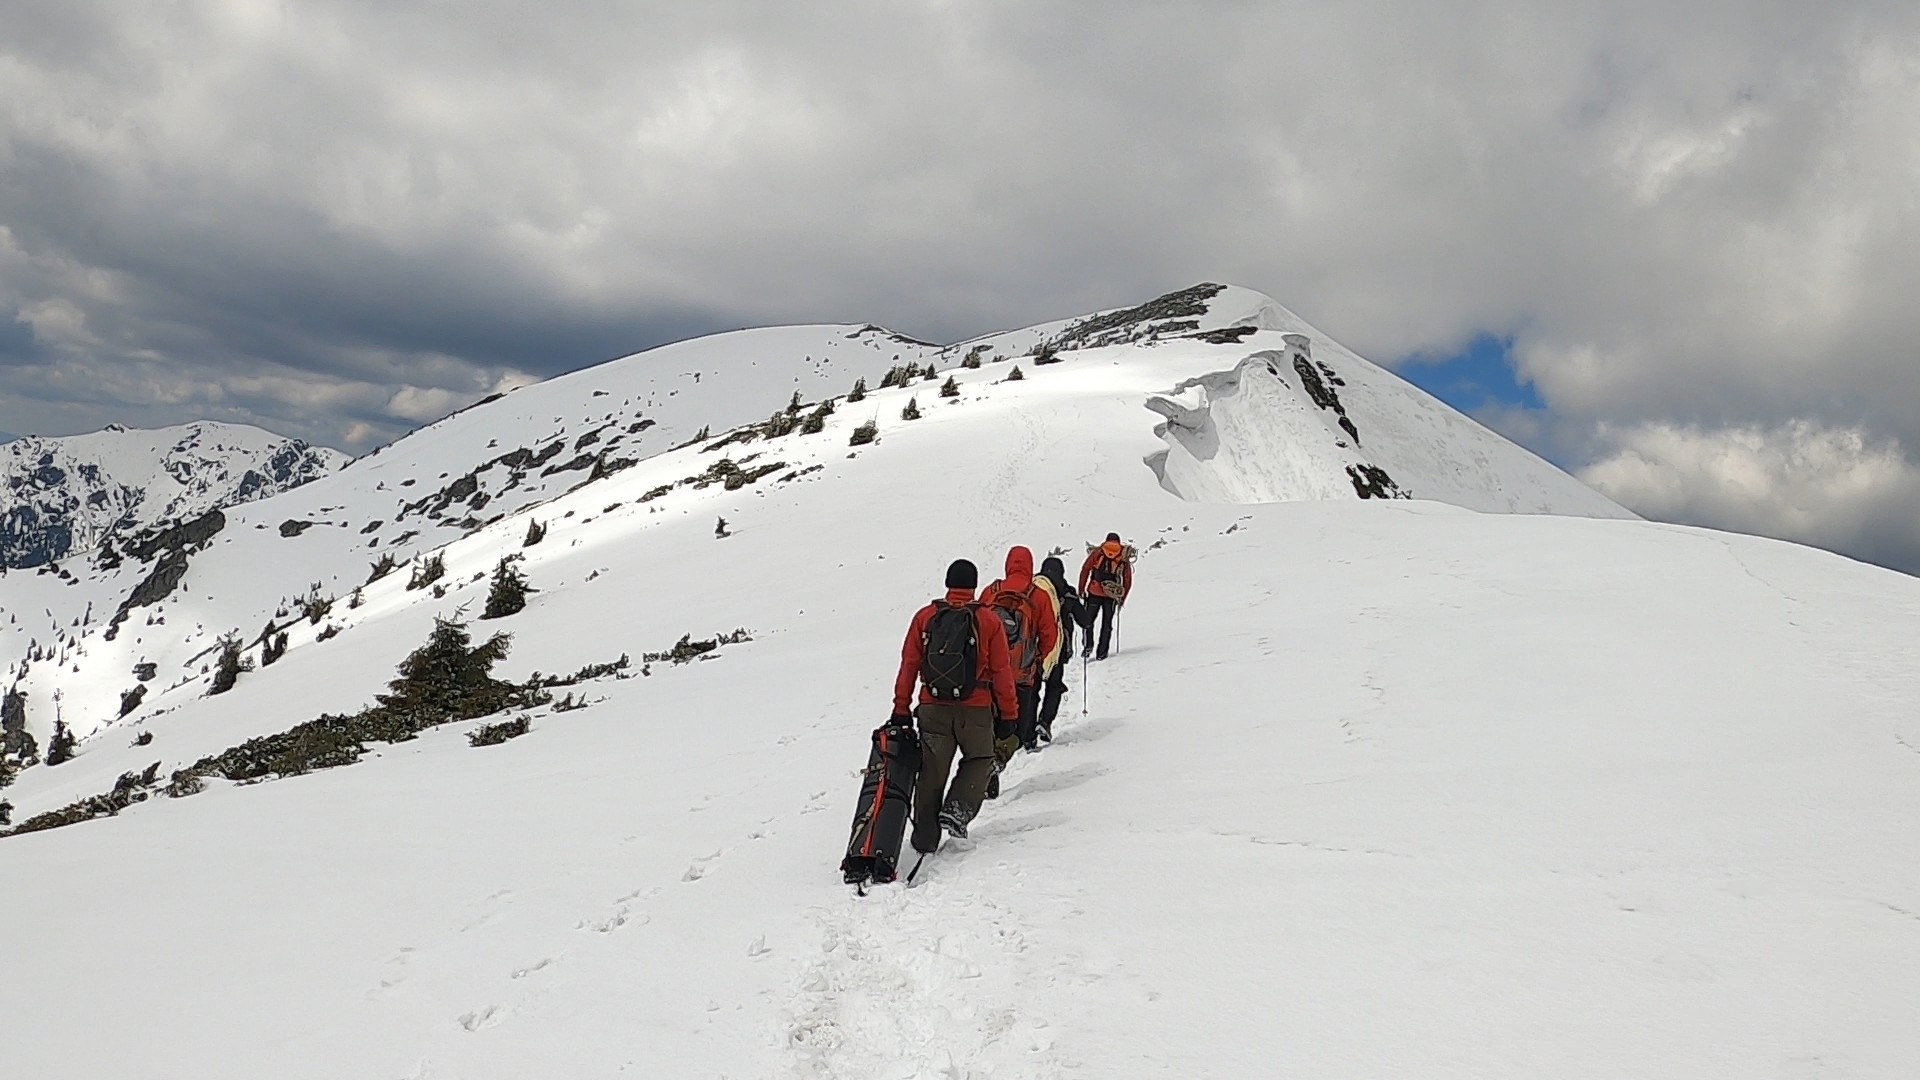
(992,684)
(1046,613)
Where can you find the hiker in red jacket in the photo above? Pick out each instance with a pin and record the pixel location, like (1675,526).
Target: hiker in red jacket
(1030,615)
(1106,579)
(957,650)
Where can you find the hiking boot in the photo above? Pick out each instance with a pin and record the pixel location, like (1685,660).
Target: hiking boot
(993,786)
(954,819)
(1044,732)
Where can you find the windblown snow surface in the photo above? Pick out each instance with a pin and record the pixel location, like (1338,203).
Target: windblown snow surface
(1372,788)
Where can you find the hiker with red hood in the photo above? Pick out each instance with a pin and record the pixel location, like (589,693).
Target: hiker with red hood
(956,650)
(1030,614)
(1106,579)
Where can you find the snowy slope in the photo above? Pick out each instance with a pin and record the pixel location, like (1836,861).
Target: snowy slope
(70,494)
(434,485)
(1372,789)
(1245,426)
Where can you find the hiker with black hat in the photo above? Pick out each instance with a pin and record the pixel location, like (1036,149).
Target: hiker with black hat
(957,651)
(1072,615)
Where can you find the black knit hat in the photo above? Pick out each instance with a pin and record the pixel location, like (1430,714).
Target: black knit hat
(963,575)
(1113,536)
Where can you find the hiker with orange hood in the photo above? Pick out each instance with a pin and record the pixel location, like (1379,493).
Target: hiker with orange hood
(1031,615)
(1106,580)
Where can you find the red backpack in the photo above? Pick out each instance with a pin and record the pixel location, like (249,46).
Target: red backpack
(1017,614)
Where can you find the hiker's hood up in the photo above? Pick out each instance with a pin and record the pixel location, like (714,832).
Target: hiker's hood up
(1019,566)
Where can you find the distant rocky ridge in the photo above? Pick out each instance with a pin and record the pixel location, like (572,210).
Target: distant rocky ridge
(74,494)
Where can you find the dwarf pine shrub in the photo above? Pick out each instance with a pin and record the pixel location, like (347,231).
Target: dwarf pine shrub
(315,608)
(494,734)
(381,568)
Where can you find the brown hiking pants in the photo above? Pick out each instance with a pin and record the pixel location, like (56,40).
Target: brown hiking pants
(944,731)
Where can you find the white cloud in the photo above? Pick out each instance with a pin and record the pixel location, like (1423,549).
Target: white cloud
(1684,214)
(1831,487)
(422,404)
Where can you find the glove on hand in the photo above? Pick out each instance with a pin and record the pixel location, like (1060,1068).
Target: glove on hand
(900,720)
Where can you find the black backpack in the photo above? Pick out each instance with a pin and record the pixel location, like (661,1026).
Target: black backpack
(950,648)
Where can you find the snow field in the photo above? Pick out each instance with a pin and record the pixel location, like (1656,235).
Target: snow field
(1371,790)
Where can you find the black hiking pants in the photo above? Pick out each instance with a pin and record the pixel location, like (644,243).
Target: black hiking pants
(947,731)
(1053,690)
(1101,609)
(1029,712)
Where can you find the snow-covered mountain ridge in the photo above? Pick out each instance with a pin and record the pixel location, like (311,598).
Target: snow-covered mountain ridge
(1373,786)
(1257,406)
(70,495)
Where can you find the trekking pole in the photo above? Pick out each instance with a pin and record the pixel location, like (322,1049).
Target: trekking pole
(1083,686)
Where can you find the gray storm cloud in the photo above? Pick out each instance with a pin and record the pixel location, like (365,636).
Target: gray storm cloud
(336,220)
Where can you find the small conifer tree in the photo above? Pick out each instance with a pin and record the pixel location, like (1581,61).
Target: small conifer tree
(949,388)
(859,390)
(720,530)
(227,669)
(1015,375)
(912,411)
(61,747)
(864,434)
(448,679)
(1046,353)
(508,594)
(381,568)
(354,599)
(931,373)
(273,649)
(536,532)
(794,405)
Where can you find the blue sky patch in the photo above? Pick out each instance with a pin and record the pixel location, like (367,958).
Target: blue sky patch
(1480,375)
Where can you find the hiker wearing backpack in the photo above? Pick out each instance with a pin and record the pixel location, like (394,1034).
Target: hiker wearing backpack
(1072,614)
(1106,579)
(1031,618)
(956,649)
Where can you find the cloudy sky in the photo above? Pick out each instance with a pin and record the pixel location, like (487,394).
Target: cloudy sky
(1674,247)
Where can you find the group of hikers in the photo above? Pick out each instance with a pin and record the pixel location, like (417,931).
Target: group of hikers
(991,669)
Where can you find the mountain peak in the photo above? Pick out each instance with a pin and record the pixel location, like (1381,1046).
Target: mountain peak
(74,492)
